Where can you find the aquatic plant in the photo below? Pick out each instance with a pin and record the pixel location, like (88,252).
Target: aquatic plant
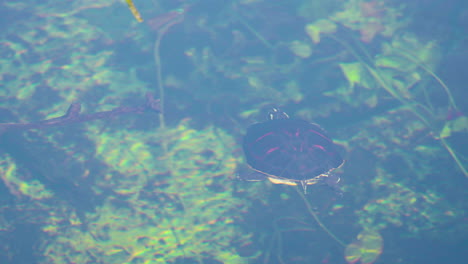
(134,10)
(366,248)
(371,18)
(180,205)
(49,57)
(167,21)
(399,69)
(355,65)
(400,78)
(17,186)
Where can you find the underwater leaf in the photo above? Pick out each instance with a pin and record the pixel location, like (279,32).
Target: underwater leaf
(255,82)
(410,47)
(427,149)
(367,248)
(300,49)
(370,18)
(319,27)
(352,72)
(402,88)
(459,124)
(372,101)
(393,62)
(372,244)
(352,253)
(293,91)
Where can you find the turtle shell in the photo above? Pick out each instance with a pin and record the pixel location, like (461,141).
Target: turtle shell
(290,151)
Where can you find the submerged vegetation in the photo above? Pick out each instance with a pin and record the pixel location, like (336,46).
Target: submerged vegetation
(137,189)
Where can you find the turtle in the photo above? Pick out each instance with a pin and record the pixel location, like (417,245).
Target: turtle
(290,151)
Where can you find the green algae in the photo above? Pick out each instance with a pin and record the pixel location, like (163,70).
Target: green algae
(169,205)
(189,200)
(18,185)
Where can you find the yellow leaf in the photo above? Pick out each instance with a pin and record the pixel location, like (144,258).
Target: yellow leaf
(134,10)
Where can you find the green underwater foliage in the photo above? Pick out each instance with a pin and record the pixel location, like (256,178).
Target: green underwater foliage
(32,189)
(52,52)
(167,193)
(166,207)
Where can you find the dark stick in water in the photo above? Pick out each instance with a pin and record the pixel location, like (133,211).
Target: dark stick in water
(73,116)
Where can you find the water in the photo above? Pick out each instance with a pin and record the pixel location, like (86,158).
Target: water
(385,78)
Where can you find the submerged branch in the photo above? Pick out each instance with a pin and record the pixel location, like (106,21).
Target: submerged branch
(73,116)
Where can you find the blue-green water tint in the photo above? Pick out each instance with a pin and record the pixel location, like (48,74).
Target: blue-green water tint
(385,78)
